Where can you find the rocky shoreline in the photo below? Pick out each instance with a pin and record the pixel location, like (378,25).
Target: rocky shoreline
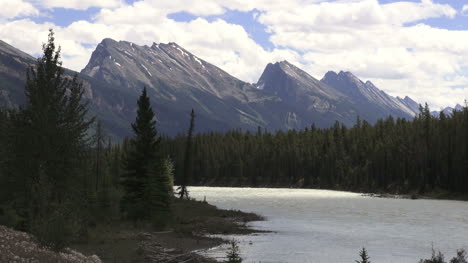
(16,246)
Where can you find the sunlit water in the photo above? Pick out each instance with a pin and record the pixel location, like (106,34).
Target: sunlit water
(331,226)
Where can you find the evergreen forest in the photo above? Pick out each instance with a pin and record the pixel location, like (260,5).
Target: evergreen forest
(419,156)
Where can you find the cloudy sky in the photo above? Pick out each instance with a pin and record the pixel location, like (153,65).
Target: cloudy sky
(417,48)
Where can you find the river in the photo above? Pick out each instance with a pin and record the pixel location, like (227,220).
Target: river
(332,226)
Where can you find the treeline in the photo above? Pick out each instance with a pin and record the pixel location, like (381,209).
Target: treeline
(60,175)
(394,155)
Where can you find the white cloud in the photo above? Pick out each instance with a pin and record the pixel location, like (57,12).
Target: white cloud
(406,12)
(464,9)
(25,34)
(370,39)
(15,8)
(81,4)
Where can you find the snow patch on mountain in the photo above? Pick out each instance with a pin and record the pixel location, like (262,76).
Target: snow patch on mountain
(147,71)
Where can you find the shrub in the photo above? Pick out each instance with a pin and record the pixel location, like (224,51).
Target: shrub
(460,258)
(233,253)
(435,258)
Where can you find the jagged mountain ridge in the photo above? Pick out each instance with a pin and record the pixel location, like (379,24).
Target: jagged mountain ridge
(410,104)
(447,110)
(285,96)
(312,101)
(178,81)
(367,94)
(131,65)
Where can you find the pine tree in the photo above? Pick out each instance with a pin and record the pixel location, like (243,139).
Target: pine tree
(364,257)
(99,140)
(49,143)
(233,253)
(141,158)
(188,160)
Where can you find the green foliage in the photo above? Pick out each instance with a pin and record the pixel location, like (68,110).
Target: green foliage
(142,153)
(146,180)
(160,192)
(47,140)
(233,253)
(364,256)
(56,229)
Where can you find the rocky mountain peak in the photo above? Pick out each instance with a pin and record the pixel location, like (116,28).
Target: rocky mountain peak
(349,84)
(298,89)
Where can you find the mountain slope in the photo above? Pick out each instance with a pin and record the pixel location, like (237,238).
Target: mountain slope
(309,100)
(410,104)
(13,65)
(372,102)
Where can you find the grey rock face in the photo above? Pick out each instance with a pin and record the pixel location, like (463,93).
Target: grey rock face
(410,104)
(372,102)
(178,81)
(13,65)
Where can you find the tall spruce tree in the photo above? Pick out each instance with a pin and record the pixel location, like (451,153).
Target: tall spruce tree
(143,154)
(188,165)
(49,143)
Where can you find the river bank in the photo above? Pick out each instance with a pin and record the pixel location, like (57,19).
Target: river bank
(189,229)
(433,195)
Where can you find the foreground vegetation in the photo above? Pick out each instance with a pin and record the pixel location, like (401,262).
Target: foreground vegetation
(427,155)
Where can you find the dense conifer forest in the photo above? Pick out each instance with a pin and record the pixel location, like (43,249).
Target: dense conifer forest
(393,156)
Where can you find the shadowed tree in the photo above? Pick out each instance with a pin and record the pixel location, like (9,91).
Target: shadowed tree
(233,253)
(142,155)
(49,143)
(188,159)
